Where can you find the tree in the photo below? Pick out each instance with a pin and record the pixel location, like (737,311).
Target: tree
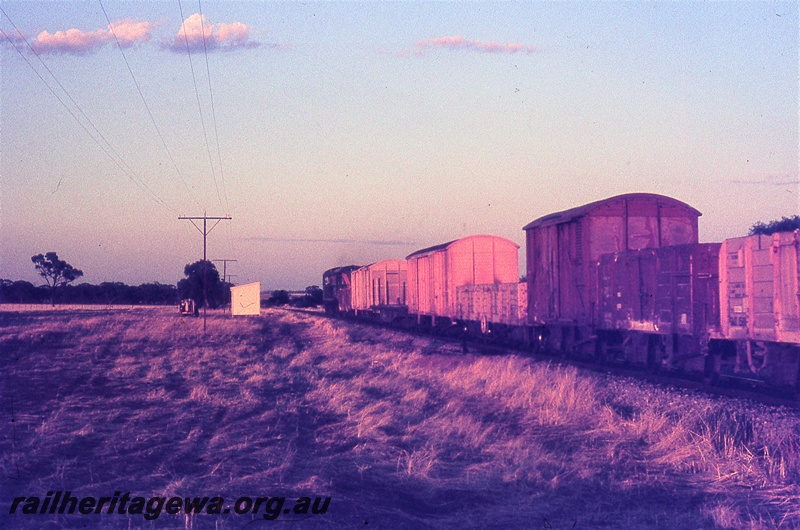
(192,285)
(21,292)
(278,297)
(157,294)
(55,272)
(786,224)
(312,298)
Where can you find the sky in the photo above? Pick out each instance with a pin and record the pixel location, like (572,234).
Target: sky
(337,133)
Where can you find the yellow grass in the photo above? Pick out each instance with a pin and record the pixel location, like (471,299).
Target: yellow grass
(400,431)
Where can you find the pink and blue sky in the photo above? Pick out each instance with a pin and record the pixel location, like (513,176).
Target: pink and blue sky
(343,132)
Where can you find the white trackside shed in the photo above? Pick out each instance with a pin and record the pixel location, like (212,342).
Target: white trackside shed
(246,299)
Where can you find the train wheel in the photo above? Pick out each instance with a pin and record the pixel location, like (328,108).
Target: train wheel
(553,342)
(601,352)
(566,349)
(654,355)
(538,340)
(711,369)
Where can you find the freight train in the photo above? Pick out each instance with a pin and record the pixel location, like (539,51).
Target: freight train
(619,281)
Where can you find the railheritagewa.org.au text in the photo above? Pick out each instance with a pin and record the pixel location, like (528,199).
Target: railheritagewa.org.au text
(65,503)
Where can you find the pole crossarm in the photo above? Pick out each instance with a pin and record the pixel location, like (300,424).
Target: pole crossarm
(225,262)
(204,217)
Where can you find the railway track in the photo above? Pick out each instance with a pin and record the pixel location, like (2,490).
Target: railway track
(727,387)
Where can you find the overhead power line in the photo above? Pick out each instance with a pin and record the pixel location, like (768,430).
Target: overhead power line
(213,112)
(108,149)
(216,129)
(146,106)
(197,93)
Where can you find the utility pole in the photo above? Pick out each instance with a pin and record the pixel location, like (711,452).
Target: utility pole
(205,231)
(224,267)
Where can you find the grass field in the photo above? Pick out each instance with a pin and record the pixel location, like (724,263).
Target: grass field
(399,431)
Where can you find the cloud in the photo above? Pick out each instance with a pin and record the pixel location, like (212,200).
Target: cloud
(129,32)
(221,36)
(457,43)
(16,39)
(79,42)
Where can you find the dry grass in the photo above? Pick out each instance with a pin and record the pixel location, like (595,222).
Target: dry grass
(400,431)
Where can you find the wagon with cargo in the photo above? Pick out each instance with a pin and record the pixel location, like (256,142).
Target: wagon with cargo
(759,333)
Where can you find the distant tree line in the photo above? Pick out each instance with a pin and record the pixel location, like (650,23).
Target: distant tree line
(58,274)
(786,224)
(22,292)
(202,282)
(312,297)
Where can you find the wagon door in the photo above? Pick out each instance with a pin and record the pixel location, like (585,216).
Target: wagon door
(786,253)
(761,278)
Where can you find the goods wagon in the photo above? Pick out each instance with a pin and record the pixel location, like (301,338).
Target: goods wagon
(380,288)
(759,328)
(563,248)
(336,289)
(622,280)
(435,273)
(656,306)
